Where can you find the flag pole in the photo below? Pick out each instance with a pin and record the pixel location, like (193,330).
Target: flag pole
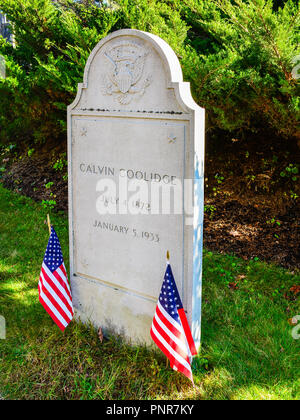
(49,223)
(168,260)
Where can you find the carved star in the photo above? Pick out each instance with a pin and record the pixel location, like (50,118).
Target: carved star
(172,139)
(83,131)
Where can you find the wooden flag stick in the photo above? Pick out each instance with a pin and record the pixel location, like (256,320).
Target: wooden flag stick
(168,259)
(49,223)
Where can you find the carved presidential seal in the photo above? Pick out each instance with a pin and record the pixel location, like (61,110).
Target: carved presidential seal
(124,76)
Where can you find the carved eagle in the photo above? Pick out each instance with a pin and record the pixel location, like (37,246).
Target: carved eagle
(125,74)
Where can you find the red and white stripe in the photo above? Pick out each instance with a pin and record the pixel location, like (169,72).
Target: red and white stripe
(55,295)
(187,331)
(169,336)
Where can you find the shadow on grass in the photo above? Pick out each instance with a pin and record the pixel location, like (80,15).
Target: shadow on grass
(237,361)
(247,350)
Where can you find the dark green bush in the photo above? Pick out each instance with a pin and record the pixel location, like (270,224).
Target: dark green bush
(53,41)
(241,63)
(237,55)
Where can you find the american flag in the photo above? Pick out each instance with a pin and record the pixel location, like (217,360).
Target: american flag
(170,329)
(54,290)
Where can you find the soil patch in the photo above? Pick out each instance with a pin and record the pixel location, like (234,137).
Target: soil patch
(251,200)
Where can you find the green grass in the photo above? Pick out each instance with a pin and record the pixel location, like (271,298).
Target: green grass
(247,348)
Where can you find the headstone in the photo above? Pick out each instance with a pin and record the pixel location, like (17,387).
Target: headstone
(136,153)
(5,29)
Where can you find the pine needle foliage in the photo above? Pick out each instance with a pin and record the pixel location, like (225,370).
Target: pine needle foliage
(239,55)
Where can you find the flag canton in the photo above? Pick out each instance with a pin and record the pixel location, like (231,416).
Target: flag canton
(169,297)
(53,257)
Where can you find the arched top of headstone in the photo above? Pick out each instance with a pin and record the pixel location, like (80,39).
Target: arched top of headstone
(134,71)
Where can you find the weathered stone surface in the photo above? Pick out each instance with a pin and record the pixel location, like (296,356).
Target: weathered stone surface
(134,119)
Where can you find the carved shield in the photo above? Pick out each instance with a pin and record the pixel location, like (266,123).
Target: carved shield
(124,81)
(125,68)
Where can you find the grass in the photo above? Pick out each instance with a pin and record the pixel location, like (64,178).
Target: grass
(247,348)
